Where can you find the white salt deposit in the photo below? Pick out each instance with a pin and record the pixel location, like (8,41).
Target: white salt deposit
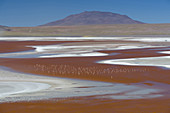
(51,51)
(63,47)
(56,38)
(162,61)
(149,39)
(24,87)
(124,47)
(61,50)
(143,39)
(75,55)
(165,52)
(11,88)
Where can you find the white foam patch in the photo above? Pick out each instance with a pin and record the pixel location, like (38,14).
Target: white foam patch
(163,61)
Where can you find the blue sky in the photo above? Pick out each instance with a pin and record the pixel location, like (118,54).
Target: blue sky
(37,12)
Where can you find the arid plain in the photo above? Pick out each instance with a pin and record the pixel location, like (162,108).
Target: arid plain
(84,74)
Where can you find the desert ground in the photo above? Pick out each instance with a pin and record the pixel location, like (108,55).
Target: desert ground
(84,74)
(91,30)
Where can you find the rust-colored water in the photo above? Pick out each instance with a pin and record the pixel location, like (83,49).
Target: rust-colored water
(87,68)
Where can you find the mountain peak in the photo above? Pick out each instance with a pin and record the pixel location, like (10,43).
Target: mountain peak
(92,18)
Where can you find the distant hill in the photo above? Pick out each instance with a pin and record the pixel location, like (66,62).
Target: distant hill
(93,18)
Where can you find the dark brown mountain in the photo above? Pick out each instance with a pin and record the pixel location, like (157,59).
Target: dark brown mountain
(93,17)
